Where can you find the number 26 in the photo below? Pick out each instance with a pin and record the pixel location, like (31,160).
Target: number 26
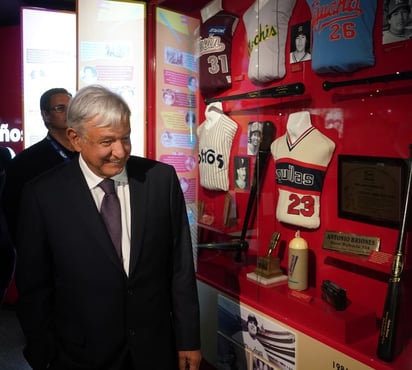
(346,30)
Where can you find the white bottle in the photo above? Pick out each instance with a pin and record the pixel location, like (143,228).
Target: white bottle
(298,263)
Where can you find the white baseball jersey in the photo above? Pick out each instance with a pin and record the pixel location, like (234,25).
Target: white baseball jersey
(266,23)
(215,137)
(300,171)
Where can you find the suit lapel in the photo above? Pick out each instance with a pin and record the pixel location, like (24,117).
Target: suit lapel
(87,212)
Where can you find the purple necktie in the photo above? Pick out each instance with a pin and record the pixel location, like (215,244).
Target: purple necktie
(110,211)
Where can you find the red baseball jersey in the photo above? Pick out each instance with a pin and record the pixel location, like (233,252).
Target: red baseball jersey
(215,49)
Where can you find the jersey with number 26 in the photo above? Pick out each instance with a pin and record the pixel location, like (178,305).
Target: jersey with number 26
(342,35)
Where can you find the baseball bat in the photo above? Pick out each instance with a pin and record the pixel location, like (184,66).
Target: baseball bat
(262,156)
(387,334)
(398,76)
(268,133)
(297,88)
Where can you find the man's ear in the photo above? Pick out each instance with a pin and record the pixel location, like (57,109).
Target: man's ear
(74,139)
(45,115)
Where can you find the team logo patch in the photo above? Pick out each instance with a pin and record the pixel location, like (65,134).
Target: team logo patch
(217,30)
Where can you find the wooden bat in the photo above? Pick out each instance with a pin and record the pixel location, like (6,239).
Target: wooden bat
(262,156)
(387,334)
(271,92)
(268,134)
(398,76)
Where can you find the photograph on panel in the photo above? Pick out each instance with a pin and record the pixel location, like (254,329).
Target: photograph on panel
(300,43)
(241,172)
(231,355)
(397,21)
(259,364)
(254,137)
(263,337)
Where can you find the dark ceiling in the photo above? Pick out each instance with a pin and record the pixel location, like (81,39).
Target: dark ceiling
(10,9)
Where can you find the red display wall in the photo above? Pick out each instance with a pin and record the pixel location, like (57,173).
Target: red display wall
(11,134)
(370,119)
(11,130)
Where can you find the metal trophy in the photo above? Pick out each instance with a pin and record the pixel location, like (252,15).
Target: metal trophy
(269,266)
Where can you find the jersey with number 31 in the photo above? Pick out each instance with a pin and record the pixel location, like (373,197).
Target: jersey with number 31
(215,49)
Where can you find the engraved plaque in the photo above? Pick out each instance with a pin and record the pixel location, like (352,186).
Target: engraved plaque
(370,189)
(268,267)
(350,243)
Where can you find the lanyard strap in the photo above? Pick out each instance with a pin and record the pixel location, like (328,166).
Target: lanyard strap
(58,148)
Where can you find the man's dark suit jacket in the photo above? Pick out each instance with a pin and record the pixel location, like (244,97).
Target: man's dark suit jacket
(25,166)
(7,253)
(5,157)
(77,307)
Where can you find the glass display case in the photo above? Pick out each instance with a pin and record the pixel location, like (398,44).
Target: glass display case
(311,130)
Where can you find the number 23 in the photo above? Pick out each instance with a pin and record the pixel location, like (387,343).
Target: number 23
(304,205)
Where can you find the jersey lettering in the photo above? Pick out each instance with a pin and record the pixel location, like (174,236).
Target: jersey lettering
(263,34)
(335,11)
(210,157)
(299,177)
(211,44)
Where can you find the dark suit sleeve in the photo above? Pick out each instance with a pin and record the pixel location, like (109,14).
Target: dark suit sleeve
(184,290)
(7,252)
(34,283)
(7,257)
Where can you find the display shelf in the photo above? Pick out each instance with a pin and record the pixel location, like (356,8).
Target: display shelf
(353,331)
(359,264)
(346,326)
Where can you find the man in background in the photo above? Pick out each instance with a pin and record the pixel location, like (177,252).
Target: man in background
(7,252)
(53,150)
(5,157)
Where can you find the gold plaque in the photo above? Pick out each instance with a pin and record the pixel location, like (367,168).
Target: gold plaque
(268,267)
(350,243)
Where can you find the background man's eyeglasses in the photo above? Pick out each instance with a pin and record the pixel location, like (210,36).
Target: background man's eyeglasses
(59,108)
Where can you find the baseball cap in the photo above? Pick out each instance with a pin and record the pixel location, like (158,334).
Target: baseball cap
(252,318)
(256,126)
(394,5)
(301,31)
(239,162)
